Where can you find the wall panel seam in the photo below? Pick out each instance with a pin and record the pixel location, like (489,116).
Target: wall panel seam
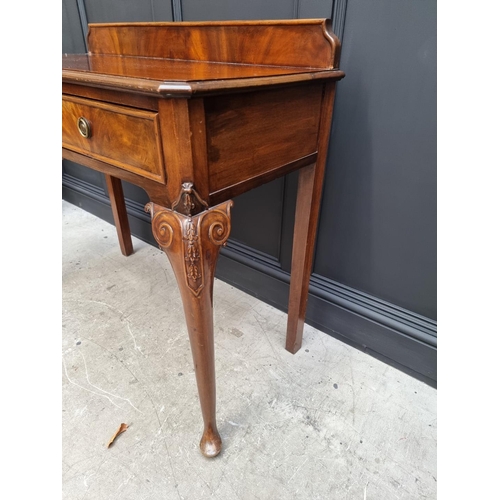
(82,12)
(177,10)
(339,10)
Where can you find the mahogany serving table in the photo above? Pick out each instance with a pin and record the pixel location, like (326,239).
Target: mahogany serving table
(195,114)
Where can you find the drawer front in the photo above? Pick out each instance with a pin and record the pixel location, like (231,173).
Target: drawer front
(124,137)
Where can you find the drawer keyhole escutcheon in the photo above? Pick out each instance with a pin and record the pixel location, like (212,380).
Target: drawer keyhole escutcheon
(83,127)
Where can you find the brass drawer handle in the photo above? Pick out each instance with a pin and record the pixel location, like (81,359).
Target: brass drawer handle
(83,127)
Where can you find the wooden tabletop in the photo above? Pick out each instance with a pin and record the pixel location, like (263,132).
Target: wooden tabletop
(181,59)
(180,77)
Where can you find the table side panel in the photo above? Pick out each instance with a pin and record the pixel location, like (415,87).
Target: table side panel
(124,137)
(253,133)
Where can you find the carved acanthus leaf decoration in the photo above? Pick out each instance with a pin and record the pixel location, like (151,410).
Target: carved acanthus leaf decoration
(189,201)
(193,241)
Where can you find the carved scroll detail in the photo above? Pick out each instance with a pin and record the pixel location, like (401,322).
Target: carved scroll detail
(194,239)
(163,224)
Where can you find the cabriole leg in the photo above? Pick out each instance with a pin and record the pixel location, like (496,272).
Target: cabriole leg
(192,244)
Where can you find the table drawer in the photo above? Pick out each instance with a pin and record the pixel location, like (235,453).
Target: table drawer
(124,137)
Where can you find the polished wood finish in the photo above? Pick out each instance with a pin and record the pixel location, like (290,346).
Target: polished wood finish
(179,148)
(176,70)
(123,98)
(155,191)
(119,210)
(184,59)
(125,137)
(253,133)
(306,224)
(192,244)
(301,42)
(195,114)
(187,88)
(257,180)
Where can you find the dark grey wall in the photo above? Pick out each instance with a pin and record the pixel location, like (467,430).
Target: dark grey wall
(378,225)
(73,41)
(374,281)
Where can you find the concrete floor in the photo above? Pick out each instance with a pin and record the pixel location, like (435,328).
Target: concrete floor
(328,423)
